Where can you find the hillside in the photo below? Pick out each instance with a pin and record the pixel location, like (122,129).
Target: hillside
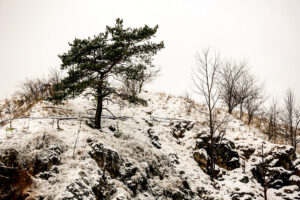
(156,151)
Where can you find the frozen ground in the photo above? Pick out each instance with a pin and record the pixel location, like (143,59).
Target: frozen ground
(173,159)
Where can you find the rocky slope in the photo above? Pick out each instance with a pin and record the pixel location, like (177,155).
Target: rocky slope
(158,151)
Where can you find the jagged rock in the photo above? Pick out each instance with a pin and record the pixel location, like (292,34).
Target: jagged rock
(186,189)
(247,152)
(16,169)
(79,190)
(203,160)
(179,128)
(226,155)
(10,157)
(201,157)
(280,167)
(106,159)
(154,170)
(43,159)
(47,174)
(174,158)
(132,178)
(112,128)
(14,179)
(174,194)
(245,179)
(128,170)
(154,138)
(150,124)
(242,195)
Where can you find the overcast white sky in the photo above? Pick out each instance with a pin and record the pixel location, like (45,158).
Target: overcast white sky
(265,33)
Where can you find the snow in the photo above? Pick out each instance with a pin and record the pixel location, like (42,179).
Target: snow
(134,145)
(295,178)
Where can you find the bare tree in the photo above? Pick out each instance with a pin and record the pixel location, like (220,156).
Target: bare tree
(134,77)
(245,89)
(149,75)
(205,79)
(254,102)
(261,116)
(30,89)
(55,76)
(231,75)
(272,116)
(291,118)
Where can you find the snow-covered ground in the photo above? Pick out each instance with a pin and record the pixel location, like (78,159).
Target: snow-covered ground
(174,157)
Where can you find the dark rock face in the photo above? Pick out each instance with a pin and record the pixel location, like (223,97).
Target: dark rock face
(280,167)
(107,159)
(242,195)
(112,128)
(16,170)
(179,128)
(154,138)
(47,174)
(14,180)
(79,190)
(247,152)
(183,192)
(117,168)
(104,189)
(226,155)
(133,182)
(245,179)
(201,158)
(43,160)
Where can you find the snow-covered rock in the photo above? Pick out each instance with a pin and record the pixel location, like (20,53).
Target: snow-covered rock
(153,153)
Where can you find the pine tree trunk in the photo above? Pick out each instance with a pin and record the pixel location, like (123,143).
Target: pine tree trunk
(98,113)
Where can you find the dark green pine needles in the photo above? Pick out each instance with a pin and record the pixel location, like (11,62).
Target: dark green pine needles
(90,62)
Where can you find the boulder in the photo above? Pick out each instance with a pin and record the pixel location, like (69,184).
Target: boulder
(201,157)
(279,162)
(180,127)
(154,138)
(43,159)
(247,152)
(79,190)
(226,155)
(14,179)
(107,159)
(245,179)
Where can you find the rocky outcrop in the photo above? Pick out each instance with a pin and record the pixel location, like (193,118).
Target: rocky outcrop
(17,169)
(247,152)
(43,159)
(180,127)
(107,159)
(226,155)
(14,179)
(133,178)
(279,167)
(201,157)
(154,138)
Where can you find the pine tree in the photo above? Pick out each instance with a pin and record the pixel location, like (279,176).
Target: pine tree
(91,62)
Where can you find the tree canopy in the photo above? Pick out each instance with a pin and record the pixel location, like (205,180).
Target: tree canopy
(91,62)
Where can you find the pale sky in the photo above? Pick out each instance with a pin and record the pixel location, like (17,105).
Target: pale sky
(266,33)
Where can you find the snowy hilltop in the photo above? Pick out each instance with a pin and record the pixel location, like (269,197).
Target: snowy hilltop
(153,151)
